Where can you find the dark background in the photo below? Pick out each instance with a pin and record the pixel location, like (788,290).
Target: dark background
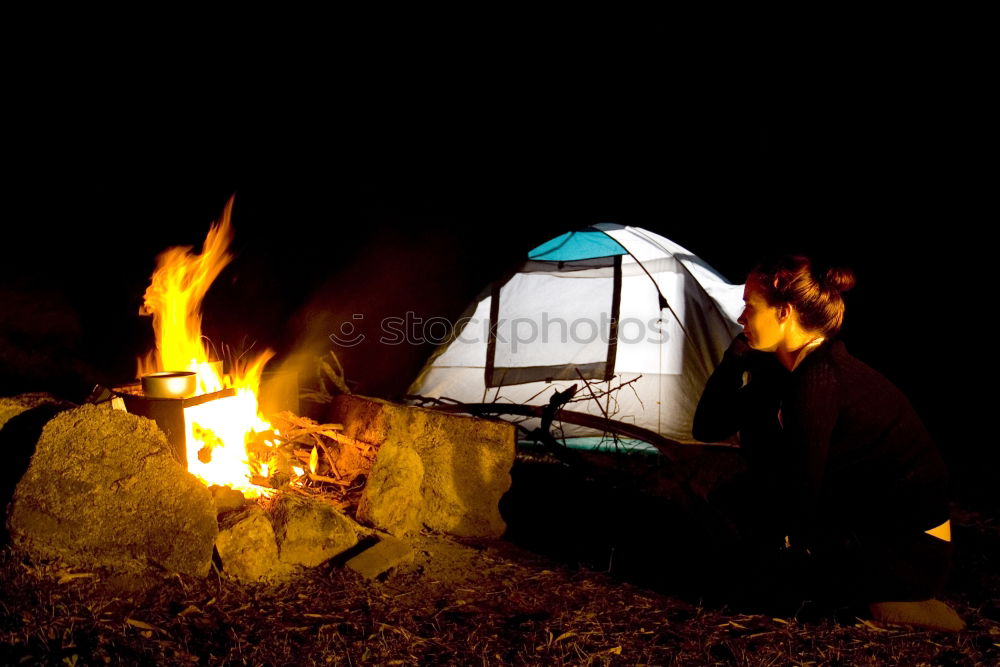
(407,184)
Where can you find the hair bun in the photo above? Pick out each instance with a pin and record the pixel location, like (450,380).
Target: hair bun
(839,279)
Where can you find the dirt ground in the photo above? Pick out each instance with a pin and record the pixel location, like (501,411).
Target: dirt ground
(566,601)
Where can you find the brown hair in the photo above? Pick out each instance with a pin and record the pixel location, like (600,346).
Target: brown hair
(815,295)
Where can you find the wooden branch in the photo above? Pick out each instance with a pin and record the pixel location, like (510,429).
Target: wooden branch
(329,480)
(362,446)
(605,392)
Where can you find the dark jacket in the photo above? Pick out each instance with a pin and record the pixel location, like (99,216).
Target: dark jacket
(841,445)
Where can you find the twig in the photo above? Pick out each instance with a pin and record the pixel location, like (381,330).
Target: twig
(323,478)
(610,390)
(592,394)
(329,459)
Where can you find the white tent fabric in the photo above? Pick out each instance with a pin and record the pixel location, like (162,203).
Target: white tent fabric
(610,303)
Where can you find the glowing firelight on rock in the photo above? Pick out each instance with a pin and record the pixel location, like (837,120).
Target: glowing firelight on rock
(218,430)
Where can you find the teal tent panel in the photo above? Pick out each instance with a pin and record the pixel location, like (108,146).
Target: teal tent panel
(604,443)
(587,243)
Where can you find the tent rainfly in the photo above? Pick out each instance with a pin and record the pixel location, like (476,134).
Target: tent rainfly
(636,317)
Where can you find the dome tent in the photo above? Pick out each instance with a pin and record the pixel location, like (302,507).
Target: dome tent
(640,319)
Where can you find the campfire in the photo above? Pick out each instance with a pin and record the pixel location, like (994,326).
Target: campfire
(212,414)
(228,491)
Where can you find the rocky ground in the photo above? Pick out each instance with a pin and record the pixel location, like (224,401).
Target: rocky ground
(480,602)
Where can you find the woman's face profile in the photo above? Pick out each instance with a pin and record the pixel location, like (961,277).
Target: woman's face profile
(760,321)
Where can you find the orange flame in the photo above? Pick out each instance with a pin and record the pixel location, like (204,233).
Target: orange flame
(217,431)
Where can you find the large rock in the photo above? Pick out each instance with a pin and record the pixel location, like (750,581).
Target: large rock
(22,419)
(103,489)
(12,406)
(247,546)
(309,532)
(226,499)
(464,467)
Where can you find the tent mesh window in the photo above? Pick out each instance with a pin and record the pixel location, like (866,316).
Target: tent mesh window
(555,324)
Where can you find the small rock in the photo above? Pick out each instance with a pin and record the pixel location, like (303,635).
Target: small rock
(381,557)
(247,547)
(391,500)
(309,532)
(226,499)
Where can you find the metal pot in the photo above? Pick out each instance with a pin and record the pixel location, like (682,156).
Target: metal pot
(170,384)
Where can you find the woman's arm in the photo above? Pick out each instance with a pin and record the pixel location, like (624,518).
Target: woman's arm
(718,414)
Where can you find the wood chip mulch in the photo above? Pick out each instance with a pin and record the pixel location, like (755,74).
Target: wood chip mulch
(457,603)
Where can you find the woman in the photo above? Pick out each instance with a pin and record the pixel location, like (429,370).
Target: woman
(848,477)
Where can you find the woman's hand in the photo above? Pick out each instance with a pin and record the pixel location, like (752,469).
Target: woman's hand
(739,348)
(718,412)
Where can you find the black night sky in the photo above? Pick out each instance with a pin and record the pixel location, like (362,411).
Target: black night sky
(410,187)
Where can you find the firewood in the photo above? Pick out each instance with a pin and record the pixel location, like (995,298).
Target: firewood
(297,423)
(322,478)
(364,447)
